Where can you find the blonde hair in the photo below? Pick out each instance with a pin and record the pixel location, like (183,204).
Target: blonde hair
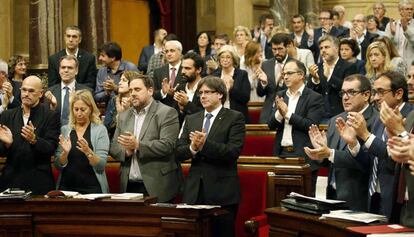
(230,49)
(384,51)
(87,98)
(250,52)
(279,29)
(245,30)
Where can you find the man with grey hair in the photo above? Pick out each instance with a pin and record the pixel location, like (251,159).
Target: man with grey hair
(401,31)
(168,77)
(379,12)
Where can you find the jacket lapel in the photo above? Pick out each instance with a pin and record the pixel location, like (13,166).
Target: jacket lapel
(217,122)
(148,118)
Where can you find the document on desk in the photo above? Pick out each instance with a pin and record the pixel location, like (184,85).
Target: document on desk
(349,215)
(322,200)
(197,206)
(127,196)
(381,229)
(93,196)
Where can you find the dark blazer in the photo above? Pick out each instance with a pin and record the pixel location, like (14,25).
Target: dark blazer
(386,166)
(383,23)
(57,92)
(303,41)
(86,71)
(330,90)
(351,177)
(216,164)
(368,38)
(360,67)
(144,57)
(268,53)
(191,107)
(308,111)
(159,75)
(339,33)
(239,95)
(28,166)
(270,90)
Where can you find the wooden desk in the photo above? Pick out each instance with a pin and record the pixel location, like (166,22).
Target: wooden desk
(285,223)
(73,217)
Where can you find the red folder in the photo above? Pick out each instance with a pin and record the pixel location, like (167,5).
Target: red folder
(380,229)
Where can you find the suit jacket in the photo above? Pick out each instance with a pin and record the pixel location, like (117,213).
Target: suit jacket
(407,211)
(28,166)
(268,53)
(342,32)
(157,140)
(144,57)
(330,89)
(351,177)
(159,75)
(386,166)
(239,95)
(57,92)
(86,71)
(270,90)
(308,111)
(303,41)
(215,165)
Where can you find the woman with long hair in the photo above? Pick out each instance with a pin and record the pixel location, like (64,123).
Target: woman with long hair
(378,60)
(253,56)
(396,60)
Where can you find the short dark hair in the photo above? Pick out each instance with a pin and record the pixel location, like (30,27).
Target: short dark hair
(328,11)
(329,38)
(112,49)
(352,44)
(364,83)
(74,27)
(372,17)
(280,38)
(148,83)
(224,37)
(299,65)
(157,31)
(398,81)
(214,83)
(299,16)
(170,37)
(197,59)
(263,18)
(69,57)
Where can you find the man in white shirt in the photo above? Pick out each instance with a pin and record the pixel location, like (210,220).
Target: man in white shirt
(152,49)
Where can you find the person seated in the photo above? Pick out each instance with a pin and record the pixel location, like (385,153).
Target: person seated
(348,50)
(83,148)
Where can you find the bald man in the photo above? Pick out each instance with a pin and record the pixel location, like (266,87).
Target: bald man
(28,138)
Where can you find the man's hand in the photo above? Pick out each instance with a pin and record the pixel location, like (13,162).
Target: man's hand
(28,133)
(6,135)
(122,104)
(182,99)
(281,106)
(313,71)
(401,149)
(309,30)
(346,131)
(261,75)
(392,119)
(109,86)
(197,139)
(129,142)
(319,142)
(358,123)
(51,99)
(8,89)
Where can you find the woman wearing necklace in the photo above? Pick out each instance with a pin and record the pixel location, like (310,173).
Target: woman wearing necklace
(83,148)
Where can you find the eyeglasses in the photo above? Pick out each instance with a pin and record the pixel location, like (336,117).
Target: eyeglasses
(206,92)
(349,93)
(289,73)
(29,90)
(380,92)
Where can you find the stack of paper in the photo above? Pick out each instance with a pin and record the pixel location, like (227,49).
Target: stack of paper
(127,196)
(197,206)
(363,217)
(93,196)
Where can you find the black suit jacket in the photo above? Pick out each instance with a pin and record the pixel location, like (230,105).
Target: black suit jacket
(339,33)
(159,75)
(215,165)
(57,92)
(330,89)
(28,166)
(303,41)
(270,90)
(86,71)
(239,95)
(308,111)
(144,57)
(351,177)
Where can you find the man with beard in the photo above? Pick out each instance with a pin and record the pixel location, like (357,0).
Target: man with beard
(186,96)
(272,82)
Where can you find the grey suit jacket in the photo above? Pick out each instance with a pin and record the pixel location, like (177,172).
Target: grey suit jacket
(157,141)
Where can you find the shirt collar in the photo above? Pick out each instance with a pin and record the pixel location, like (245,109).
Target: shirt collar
(363,109)
(214,112)
(70,85)
(299,92)
(76,53)
(177,66)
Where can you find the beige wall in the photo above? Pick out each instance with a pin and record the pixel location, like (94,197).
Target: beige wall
(6,38)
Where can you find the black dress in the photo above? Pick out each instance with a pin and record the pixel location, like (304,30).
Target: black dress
(78,175)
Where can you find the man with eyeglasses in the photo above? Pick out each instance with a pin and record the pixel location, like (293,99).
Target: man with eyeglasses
(28,138)
(213,139)
(295,109)
(347,178)
(401,32)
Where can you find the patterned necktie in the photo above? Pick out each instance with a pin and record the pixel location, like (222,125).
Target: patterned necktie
(374,172)
(207,122)
(65,108)
(172,77)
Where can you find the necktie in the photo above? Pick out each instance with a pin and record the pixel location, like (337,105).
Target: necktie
(172,77)
(207,122)
(374,172)
(401,185)
(65,107)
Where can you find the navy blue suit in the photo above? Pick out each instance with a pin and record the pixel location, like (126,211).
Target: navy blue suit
(144,57)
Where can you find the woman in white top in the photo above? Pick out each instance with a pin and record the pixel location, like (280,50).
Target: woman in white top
(253,55)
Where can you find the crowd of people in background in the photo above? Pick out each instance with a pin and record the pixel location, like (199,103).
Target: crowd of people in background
(354,76)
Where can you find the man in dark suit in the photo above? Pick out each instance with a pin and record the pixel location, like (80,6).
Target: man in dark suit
(347,179)
(213,139)
(262,34)
(299,34)
(270,80)
(58,95)
(144,142)
(361,35)
(28,139)
(167,77)
(379,12)
(151,49)
(296,109)
(87,62)
(327,77)
(390,93)
(327,28)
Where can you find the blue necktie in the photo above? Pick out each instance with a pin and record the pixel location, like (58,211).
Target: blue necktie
(374,173)
(207,122)
(65,108)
